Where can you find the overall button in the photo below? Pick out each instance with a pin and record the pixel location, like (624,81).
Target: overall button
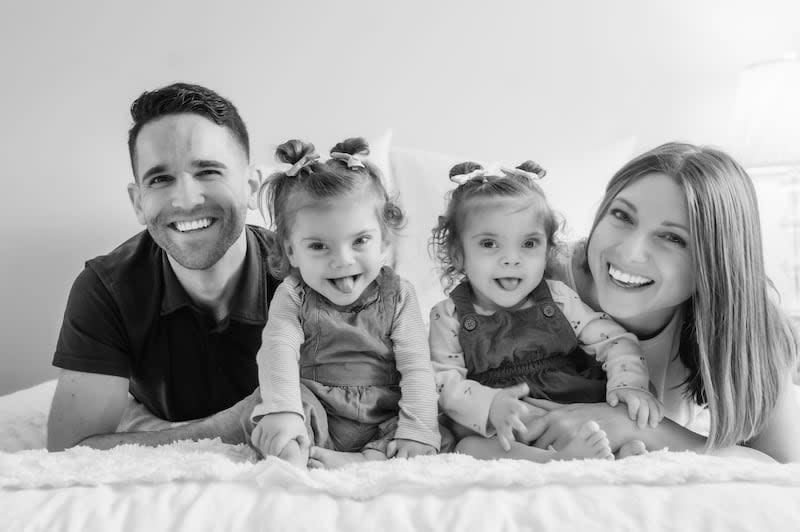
(548,311)
(469,323)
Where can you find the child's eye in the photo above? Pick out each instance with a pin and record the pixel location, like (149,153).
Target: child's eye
(530,244)
(487,243)
(674,239)
(316,246)
(362,240)
(620,215)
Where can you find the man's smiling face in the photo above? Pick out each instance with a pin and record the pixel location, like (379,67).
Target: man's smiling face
(193,188)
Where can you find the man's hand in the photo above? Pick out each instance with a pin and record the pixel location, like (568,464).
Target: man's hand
(274,432)
(643,407)
(506,413)
(402,448)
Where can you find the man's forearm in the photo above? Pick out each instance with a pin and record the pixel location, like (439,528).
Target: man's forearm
(197,430)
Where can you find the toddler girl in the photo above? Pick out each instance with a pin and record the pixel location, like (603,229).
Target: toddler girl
(506,333)
(344,367)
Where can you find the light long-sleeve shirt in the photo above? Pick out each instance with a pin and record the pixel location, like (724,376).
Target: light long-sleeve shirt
(282,338)
(468,402)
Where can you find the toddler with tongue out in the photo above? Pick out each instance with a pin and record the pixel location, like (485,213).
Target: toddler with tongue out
(505,333)
(344,367)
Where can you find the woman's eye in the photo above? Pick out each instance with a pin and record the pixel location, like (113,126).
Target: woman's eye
(620,215)
(488,244)
(675,239)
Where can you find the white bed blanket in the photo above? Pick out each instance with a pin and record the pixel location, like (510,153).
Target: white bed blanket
(209,485)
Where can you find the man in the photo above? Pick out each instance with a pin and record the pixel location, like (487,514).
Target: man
(174,315)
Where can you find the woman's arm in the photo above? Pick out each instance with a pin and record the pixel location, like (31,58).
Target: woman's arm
(560,423)
(780,438)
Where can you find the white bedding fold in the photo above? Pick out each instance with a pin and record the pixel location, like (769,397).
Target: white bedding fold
(211,460)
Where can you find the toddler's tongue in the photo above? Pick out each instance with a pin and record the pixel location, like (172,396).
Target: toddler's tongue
(344,284)
(508,283)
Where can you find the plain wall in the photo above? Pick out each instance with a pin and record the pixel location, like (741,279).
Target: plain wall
(550,81)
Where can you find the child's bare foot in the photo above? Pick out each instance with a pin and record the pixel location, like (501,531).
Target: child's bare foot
(321,458)
(591,442)
(631,448)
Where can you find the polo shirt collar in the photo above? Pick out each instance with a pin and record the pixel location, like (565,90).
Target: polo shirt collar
(249,302)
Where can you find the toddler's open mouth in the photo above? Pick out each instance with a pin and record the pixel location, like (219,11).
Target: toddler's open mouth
(345,284)
(508,283)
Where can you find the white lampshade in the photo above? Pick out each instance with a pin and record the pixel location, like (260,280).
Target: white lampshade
(767,120)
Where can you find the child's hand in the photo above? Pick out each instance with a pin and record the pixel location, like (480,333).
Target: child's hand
(506,412)
(401,448)
(642,406)
(274,432)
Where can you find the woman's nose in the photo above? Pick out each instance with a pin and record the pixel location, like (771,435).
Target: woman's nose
(636,247)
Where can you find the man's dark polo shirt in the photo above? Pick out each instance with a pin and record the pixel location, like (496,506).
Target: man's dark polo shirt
(129,316)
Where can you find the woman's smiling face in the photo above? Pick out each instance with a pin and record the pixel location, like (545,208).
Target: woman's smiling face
(639,254)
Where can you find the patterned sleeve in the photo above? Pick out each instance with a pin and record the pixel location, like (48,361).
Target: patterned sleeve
(599,335)
(277,358)
(418,410)
(467,402)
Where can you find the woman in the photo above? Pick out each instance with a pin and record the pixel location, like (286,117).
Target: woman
(674,256)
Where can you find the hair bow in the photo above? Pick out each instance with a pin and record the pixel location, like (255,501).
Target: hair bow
(523,173)
(352,160)
(304,161)
(460,179)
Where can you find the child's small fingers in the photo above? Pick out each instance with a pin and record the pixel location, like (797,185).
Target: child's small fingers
(613,399)
(644,415)
(633,408)
(518,425)
(504,442)
(303,441)
(391,449)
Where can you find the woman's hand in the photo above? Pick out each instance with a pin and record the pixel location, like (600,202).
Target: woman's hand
(556,424)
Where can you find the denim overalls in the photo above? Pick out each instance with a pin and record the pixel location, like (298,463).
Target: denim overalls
(348,377)
(535,345)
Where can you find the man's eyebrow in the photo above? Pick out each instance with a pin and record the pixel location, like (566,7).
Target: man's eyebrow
(157,169)
(208,163)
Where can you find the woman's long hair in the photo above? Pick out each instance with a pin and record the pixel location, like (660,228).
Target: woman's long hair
(736,342)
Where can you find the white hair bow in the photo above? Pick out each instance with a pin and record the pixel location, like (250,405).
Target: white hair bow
(352,160)
(304,161)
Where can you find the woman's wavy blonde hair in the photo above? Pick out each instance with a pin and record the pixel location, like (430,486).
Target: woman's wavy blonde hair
(736,342)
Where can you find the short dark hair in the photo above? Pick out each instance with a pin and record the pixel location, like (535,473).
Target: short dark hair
(185,98)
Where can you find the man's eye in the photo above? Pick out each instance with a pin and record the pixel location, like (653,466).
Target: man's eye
(209,172)
(159,180)
(487,243)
